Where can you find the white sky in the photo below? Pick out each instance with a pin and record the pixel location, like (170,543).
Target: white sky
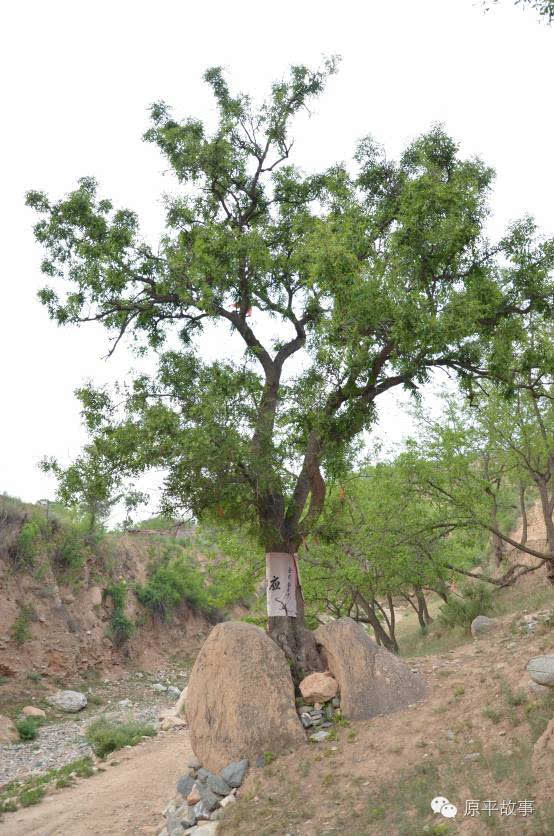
(77,82)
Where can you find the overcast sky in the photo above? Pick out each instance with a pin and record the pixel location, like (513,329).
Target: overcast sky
(77,81)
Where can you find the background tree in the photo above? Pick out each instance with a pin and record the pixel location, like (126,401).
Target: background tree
(544,8)
(378,542)
(92,486)
(481,459)
(340,285)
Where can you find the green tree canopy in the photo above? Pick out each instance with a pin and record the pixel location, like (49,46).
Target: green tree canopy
(340,285)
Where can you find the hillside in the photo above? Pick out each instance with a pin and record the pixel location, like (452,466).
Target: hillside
(473,738)
(69,603)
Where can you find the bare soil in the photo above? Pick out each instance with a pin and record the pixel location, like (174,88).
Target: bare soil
(127,798)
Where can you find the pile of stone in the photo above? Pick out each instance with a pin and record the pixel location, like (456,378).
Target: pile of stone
(201,795)
(529,622)
(320,704)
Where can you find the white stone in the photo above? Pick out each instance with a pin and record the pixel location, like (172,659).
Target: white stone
(541,670)
(70,701)
(483,624)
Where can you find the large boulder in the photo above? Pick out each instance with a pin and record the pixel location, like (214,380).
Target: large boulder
(240,698)
(482,624)
(371,680)
(541,670)
(70,701)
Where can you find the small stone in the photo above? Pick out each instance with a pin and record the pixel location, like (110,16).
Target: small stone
(306,720)
(473,756)
(195,795)
(157,686)
(169,809)
(260,761)
(450,734)
(31,711)
(203,774)
(207,828)
(173,692)
(125,703)
(186,816)
(229,799)
(234,772)
(206,806)
(319,736)
(185,785)
(318,688)
(326,724)
(194,763)
(218,785)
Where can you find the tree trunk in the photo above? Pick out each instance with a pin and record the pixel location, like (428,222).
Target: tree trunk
(547,505)
(381,635)
(524,523)
(295,640)
(422,605)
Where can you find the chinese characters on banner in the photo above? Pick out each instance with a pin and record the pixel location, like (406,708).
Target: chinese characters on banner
(281,572)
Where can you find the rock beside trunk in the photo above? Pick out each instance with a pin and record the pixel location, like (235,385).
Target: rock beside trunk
(240,699)
(371,680)
(318,687)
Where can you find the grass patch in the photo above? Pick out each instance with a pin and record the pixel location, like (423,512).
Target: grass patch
(538,714)
(28,727)
(24,793)
(460,610)
(492,714)
(106,737)
(32,796)
(121,627)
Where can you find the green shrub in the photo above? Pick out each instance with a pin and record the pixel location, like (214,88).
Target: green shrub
(175,580)
(71,549)
(28,728)
(121,627)
(28,542)
(21,628)
(33,796)
(460,611)
(106,737)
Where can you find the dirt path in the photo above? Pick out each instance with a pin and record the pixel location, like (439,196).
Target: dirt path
(125,800)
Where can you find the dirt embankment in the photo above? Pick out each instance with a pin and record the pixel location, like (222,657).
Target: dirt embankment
(58,625)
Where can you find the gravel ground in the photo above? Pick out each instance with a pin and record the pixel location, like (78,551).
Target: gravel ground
(63,741)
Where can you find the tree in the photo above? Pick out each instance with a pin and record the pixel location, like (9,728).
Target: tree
(367,278)
(486,451)
(544,8)
(376,542)
(92,485)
